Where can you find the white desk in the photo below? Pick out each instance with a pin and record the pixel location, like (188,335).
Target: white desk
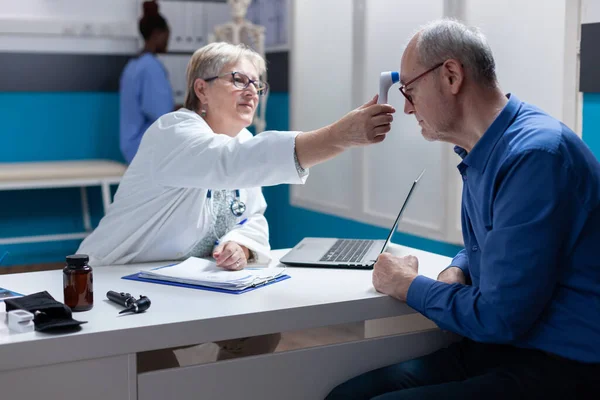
(98,362)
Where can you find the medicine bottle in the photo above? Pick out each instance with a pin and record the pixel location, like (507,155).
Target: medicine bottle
(78,283)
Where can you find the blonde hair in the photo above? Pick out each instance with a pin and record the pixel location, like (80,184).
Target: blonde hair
(209,61)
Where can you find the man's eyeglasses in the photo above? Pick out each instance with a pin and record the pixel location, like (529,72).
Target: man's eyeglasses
(404,86)
(242,81)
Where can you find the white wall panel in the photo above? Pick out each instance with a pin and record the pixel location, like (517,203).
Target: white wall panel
(392,165)
(321,91)
(528,42)
(590,11)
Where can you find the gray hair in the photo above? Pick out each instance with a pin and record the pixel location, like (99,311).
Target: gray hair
(449,39)
(209,61)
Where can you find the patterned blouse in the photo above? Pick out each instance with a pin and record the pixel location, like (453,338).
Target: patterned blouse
(224,220)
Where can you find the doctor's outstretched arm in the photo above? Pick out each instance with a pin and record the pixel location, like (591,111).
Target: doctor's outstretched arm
(189,156)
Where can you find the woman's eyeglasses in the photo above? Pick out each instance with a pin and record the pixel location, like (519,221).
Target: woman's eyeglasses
(242,81)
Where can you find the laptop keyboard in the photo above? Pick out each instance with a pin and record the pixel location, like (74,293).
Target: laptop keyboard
(348,250)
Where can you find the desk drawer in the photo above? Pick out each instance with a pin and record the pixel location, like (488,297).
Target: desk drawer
(289,375)
(97,379)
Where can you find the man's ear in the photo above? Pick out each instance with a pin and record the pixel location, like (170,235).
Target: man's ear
(200,86)
(453,74)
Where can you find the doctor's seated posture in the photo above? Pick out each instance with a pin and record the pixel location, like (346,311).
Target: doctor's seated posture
(196,178)
(525,291)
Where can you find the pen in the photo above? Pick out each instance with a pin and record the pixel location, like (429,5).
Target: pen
(264,282)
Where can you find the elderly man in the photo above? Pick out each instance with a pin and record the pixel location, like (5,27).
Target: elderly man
(525,291)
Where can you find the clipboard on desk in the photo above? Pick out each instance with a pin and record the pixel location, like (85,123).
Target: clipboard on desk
(6,294)
(136,277)
(204,274)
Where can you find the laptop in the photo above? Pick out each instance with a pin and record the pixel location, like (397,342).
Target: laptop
(342,253)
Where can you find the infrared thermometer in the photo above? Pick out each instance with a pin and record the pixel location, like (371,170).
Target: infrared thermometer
(386,80)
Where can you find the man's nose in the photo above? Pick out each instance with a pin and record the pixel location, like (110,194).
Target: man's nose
(408,107)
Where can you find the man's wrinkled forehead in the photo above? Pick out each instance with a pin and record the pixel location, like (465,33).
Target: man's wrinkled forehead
(409,62)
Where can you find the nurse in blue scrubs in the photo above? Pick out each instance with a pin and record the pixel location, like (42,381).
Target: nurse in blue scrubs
(145,91)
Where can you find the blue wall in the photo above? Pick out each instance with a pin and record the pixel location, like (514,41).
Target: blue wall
(59,126)
(591,122)
(46,127)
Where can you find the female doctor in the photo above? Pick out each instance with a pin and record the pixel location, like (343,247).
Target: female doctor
(196,179)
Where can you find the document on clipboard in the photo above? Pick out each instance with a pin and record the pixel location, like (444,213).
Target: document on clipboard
(203,272)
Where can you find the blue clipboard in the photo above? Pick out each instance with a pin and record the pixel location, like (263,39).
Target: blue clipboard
(136,277)
(8,294)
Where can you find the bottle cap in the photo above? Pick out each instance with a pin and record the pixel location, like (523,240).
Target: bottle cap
(78,260)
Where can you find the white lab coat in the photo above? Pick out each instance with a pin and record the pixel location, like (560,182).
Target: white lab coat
(161,210)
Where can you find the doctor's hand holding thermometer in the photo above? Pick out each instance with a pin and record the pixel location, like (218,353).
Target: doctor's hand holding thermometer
(368,124)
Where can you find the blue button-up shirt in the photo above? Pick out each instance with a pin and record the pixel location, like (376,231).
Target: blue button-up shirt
(145,95)
(531,228)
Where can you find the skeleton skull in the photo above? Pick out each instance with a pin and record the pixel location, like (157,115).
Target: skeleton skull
(239,8)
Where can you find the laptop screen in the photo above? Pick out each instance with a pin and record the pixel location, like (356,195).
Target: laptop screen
(400,213)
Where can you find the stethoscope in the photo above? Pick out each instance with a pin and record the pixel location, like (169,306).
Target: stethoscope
(237,206)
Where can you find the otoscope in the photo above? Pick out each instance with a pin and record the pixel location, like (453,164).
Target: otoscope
(386,80)
(129,302)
